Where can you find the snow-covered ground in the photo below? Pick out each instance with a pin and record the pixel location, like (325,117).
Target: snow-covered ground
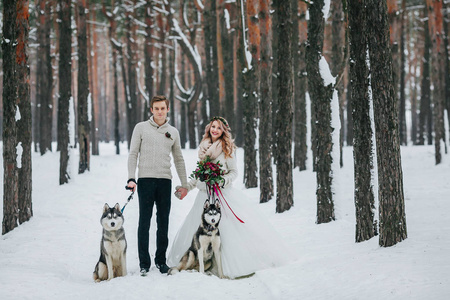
(53,255)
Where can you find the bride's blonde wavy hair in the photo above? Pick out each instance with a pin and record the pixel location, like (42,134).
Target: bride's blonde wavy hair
(228,145)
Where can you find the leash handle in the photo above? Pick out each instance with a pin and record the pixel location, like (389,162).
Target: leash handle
(129,198)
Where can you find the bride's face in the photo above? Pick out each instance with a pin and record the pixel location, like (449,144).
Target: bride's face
(215,131)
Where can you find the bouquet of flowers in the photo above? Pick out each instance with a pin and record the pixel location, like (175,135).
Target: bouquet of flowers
(208,172)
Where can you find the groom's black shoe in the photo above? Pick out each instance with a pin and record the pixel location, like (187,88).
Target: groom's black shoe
(163,268)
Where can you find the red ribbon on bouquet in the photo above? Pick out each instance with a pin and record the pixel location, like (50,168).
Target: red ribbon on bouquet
(217,190)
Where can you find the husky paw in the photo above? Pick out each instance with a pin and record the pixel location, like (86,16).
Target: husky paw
(172,271)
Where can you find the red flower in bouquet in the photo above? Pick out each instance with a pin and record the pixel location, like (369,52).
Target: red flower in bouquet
(208,171)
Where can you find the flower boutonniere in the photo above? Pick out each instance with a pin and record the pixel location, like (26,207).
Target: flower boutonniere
(168,135)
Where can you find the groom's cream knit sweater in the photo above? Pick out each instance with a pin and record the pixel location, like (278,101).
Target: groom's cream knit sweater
(151,145)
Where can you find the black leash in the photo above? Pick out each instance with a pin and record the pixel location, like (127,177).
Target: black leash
(129,198)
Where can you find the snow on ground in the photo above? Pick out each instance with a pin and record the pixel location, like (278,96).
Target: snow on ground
(53,255)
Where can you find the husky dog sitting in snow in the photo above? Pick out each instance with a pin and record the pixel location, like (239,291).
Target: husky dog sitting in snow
(113,246)
(205,244)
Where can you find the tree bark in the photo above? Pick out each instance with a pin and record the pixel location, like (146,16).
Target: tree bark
(24,139)
(338,62)
(65,94)
(402,116)
(84,136)
(148,53)
(438,73)
(44,78)
(321,96)
(300,126)
(10,87)
(425,97)
(250,97)
(285,102)
(362,128)
(212,73)
(95,124)
(390,175)
(265,104)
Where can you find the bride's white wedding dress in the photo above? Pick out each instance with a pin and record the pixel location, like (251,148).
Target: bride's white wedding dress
(245,247)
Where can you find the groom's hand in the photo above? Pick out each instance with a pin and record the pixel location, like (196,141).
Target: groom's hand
(132,186)
(183,192)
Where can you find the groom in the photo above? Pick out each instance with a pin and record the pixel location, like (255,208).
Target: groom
(152,143)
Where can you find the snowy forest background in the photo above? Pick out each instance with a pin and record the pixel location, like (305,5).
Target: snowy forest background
(327,93)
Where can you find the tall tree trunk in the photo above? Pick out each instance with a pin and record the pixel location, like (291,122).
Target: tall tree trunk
(447,63)
(250,99)
(163,52)
(338,64)
(349,131)
(114,46)
(45,80)
(299,43)
(321,96)
(227,54)
(132,112)
(212,73)
(10,86)
(24,105)
(265,104)
(240,63)
(95,101)
(84,136)
(402,110)
(148,53)
(425,97)
(438,73)
(65,94)
(390,175)
(362,147)
(285,188)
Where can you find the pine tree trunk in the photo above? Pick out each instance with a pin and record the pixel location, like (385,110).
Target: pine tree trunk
(338,64)
(438,73)
(227,54)
(390,175)
(95,101)
(148,53)
(65,94)
(299,43)
(9,97)
(402,117)
(362,147)
(250,99)
(24,139)
(283,121)
(46,83)
(349,131)
(321,102)
(240,63)
(84,136)
(112,39)
(265,104)
(210,31)
(425,102)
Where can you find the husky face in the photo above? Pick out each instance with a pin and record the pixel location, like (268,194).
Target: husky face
(112,218)
(211,213)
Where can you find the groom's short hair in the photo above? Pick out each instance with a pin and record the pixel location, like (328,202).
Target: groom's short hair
(159,98)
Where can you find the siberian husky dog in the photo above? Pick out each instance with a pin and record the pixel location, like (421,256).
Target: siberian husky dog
(113,246)
(205,246)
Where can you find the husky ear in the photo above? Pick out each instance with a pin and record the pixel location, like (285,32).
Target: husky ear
(117,207)
(105,208)
(217,204)
(206,205)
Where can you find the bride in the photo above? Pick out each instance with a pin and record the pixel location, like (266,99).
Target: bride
(245,247)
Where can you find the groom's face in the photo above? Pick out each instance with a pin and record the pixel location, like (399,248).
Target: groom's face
(159,111)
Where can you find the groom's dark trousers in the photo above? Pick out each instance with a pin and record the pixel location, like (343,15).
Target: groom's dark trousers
(153,191)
